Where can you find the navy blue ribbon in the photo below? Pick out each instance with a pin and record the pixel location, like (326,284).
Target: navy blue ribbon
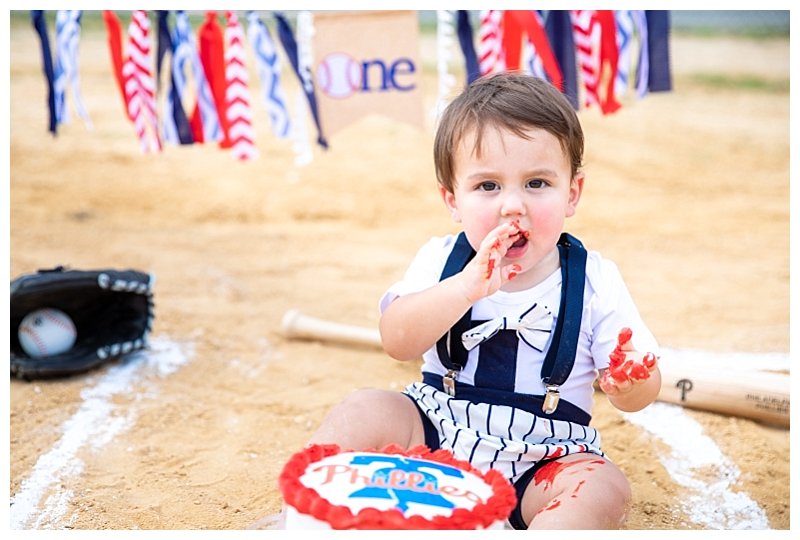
(290,46)
(558,27)
(182,125)
(473,69)
(164,43)
(39,24)
(658,27)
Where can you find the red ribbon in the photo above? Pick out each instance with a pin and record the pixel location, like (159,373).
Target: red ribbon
(514,23)
(212,56)
(609,55)
(114,29)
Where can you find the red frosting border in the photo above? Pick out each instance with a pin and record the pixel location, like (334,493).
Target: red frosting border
(307,501)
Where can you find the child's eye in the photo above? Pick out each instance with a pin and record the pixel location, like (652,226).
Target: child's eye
(536,184)
(487,186)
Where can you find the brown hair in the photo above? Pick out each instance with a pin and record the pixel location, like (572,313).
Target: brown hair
(508,100)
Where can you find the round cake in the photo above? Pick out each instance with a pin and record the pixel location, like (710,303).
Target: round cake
(327,488)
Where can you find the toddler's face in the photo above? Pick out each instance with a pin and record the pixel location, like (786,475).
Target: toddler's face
(515,178)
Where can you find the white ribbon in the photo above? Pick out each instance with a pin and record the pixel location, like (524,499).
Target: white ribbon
(445,39)
(299,136)
(533,327)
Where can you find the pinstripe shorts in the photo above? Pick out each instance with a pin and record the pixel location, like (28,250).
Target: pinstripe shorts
(500,437)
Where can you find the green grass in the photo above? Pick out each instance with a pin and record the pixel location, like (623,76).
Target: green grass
(752,32)
(751,83)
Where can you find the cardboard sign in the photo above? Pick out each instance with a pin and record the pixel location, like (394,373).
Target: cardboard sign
(367,63)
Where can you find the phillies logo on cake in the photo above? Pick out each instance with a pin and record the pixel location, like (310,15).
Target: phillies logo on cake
(397,482)
(404,481)
(340,76)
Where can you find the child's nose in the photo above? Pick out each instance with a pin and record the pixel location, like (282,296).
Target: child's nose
(512,205)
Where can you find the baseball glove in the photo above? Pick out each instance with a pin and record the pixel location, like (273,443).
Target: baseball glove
(112,311)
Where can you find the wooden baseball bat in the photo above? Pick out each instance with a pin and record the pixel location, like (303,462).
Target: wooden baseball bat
(742,390)
(296,325)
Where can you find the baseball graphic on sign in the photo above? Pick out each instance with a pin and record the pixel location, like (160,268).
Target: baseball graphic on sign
(339,75)
(46,332)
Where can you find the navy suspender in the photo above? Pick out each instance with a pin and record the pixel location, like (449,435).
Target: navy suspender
(454,357)
(561,355)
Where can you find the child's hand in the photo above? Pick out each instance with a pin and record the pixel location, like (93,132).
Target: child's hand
(483,276)
(627,366)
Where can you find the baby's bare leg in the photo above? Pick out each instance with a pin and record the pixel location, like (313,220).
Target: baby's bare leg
(371,418)
(580,491)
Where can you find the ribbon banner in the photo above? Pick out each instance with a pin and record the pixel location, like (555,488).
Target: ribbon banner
(350,64)
(367,63)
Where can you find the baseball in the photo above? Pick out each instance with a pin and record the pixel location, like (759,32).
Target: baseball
(46,332)
(339,75)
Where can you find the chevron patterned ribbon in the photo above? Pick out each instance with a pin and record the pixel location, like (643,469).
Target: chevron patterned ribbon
(175,124)
(490,42)
(624,21)
(139,84)
(587,45)
(184,51)
(68,35)
(269,72)
(237,93)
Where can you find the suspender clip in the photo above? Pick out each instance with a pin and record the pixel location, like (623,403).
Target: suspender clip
(551,398)
(449,382)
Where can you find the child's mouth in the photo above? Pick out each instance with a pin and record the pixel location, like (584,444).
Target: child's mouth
(518,248)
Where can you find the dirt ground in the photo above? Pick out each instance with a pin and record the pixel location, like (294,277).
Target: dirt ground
(688,191)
